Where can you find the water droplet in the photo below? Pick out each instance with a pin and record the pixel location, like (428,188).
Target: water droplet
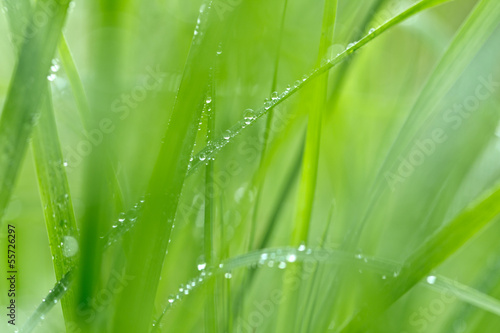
(70,246)
(227,135)
(282,265)
(202,156)
(274,95)
(372,30)
(431,279)
(302,247)
(291,258)
(350,45)
(65,163)
(209,100)
(51,77)
(55,66)
(270,263)
(121,217)
(228,275)
(249,116)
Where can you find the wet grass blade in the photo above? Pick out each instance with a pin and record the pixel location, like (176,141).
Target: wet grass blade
(211,319)
(166,183)
(307,186)
(54,188)
(52,298)
(432,253)
(25,94)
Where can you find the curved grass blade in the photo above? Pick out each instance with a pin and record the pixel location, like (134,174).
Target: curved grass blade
(54,296)
(432,253)
(212,150)
(285,255)
(465,293)
(465,46)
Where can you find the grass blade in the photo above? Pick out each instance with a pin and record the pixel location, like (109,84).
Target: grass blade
(25,94)
(433,252)
(166,183)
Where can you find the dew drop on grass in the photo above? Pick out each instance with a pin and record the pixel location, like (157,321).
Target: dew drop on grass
(202,156)
(51,77)
(249,116)
(228,275)
(282,265)
(209,100)
(274,95)
(201,264)
(431,279)
(372,30)
(55,66)
(302,247)
(291,258)
(70,246)
(270,263)
(121,217)
(227,135)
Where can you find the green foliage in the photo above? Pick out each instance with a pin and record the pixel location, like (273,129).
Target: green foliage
(252,166)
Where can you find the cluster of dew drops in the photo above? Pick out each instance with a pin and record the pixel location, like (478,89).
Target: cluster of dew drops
(54,68)
(251,115)
(273,259)
(125,221)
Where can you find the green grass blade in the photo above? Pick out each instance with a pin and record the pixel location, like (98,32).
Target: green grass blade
(75,81)
(166,183)
(52,298)
(25,94)
(307,186)
(465,293)
(467,43)
(209,246)
(434,252)
(242,125)
(53,183)
(56,198)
